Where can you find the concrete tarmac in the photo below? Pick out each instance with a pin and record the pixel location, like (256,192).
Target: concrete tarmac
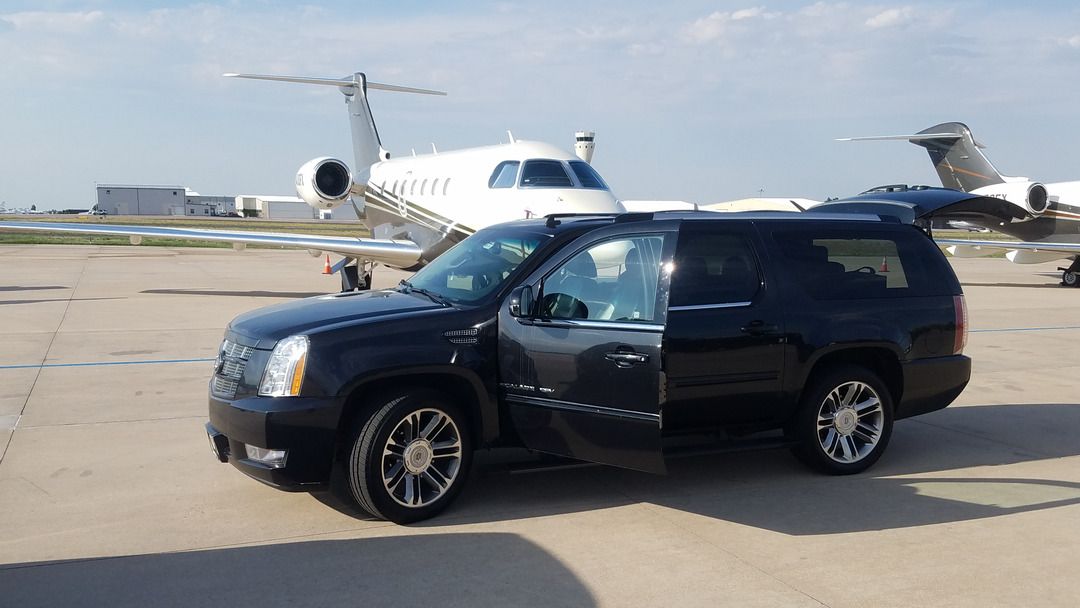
(109,495)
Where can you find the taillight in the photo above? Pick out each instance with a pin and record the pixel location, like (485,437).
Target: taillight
(960,341)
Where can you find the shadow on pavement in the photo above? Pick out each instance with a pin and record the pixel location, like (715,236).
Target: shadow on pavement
(31,287)
(412,570)
(3,302)
(1024,285)
(244,294)
(910,486)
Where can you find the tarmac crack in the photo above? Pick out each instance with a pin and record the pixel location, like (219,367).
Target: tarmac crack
(44,358)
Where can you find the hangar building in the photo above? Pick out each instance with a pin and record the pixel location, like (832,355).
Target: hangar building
(125,199)
(275,207)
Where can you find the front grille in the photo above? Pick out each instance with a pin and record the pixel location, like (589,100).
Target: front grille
(232,359)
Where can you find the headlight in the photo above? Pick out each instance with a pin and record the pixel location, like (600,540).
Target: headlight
(285,371)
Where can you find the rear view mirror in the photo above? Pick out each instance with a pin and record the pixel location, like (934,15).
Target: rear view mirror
(521,301)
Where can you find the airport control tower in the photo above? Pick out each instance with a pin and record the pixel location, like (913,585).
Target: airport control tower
(584,144)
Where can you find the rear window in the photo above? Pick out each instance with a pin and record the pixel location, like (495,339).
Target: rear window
(835,264)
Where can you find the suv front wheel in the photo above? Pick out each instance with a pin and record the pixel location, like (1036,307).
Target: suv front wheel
(844,421)
(410,458)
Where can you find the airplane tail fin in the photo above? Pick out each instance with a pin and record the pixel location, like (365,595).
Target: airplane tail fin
(956,155)
(367,147)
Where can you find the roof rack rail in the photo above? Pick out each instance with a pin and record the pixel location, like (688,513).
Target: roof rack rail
(553,218)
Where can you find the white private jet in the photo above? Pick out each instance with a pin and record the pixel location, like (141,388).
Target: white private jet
(416,207)
(1045,217)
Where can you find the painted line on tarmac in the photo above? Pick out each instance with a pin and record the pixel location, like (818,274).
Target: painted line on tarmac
(104,363)
(1006,329)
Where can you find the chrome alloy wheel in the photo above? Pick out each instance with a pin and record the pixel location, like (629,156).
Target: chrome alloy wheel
(421,458)
(850,422)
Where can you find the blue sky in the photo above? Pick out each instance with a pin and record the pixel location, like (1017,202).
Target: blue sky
(702,101)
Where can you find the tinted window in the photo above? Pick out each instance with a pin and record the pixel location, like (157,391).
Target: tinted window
(545,174)
(713,268)
(477,266)
(834,264)
(588,176)
(504,175)
(611,281)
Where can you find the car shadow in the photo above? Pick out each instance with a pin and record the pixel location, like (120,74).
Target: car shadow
(8,302)
(467,569)
(917,482)
(243,294)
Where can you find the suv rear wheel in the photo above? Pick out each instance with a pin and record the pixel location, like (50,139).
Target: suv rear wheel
(410,458)
(844,421)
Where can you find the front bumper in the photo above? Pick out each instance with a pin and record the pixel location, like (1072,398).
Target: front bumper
(932,384)
(306,427)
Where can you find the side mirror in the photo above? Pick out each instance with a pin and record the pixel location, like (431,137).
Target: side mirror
(521,301)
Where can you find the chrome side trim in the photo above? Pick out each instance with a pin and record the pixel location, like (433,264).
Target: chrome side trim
(583,323)
(583,408)
(711,306)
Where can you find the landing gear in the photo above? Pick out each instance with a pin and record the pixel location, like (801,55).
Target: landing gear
(352,279)
(1070,277)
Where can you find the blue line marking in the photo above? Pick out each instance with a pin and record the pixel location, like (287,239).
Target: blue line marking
(978,331)
(103,363)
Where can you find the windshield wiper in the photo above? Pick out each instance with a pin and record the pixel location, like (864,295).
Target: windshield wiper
(408,287)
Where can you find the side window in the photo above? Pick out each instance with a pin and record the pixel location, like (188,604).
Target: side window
(504,175)
(713,268)
(839,265)
(545,174)
(612,281)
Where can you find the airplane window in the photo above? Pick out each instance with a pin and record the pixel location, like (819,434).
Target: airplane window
(504,175)
(434,186)
(423,187)
(588,176)
(412,188)
(445,185)
(394,189)
(545,174)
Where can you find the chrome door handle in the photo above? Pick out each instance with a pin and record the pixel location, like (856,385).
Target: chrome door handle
(627,359)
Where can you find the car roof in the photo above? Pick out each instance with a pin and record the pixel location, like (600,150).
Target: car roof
(559,222)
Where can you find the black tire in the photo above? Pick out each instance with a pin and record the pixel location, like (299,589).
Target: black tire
(368,463)
(1069,279)
(839,446)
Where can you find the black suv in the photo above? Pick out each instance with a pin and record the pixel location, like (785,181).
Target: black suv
(597,338)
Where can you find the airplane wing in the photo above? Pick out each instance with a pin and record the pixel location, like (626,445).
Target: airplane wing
(400,254)
(1019,252)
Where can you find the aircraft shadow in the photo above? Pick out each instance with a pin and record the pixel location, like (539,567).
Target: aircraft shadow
(31,287)
(1024,285)
(243,294)
(3,302)
(769,489)
(469,569)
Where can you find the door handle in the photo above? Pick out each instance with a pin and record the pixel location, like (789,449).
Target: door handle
(759,328)
(627,359)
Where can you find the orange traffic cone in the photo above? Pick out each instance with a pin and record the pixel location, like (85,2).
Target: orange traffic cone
(326,269)
(884,265)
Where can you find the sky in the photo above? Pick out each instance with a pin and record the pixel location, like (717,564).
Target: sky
(697,101)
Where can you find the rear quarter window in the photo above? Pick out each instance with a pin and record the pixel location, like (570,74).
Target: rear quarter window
(833,263)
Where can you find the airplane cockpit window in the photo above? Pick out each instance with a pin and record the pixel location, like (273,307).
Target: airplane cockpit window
(544,174)
(588,176)
(504,175)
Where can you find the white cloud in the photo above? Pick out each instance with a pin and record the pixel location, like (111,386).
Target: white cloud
(53,21)
(892,17)
(1073,42)
(718,24)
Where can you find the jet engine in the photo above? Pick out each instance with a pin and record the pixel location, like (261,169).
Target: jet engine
(1032,196)
(324,183)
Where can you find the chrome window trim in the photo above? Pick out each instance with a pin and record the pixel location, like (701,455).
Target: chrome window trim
(582,408)
(710,306)
(585,323)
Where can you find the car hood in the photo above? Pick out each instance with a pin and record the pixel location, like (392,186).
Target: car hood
(263,327)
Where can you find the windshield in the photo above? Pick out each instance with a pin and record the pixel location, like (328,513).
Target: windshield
(477,266)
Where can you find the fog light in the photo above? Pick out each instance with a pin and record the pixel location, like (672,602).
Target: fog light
(275,459)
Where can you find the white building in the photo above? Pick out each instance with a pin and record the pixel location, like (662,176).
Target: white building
(275,207)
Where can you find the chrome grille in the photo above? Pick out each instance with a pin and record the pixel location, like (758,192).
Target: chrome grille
(229,369)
